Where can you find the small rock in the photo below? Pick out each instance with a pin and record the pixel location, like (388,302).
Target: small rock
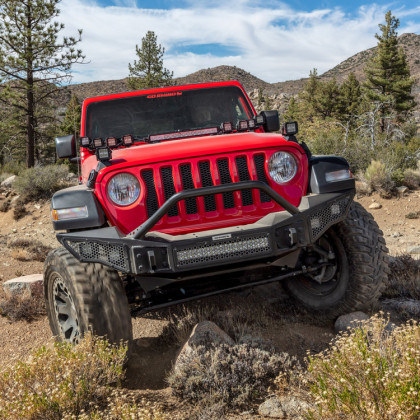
(352,320)
(23,228)
(8,182)
(414,250)
(375,206)
(14,230)
(401,190)
(283,408)
(31,284)
(37,206)
(396,234)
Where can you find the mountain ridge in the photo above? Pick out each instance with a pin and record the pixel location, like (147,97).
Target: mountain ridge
(279,92)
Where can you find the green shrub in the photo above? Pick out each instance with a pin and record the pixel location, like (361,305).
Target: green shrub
(229,375)
(378,178)
(368,373)
(13,167)
(411,178)
(41,181)
(61,382)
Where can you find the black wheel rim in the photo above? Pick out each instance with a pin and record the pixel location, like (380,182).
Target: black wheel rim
(326,288)
(65,312)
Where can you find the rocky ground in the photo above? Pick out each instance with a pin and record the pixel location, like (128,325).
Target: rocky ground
(156,346)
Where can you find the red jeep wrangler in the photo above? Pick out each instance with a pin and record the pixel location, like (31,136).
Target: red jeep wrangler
(186,192)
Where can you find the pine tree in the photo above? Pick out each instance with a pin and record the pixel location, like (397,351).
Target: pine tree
(350,99)
(148,71)
(388,75)
(292,113)
(72,117)
(32,60)
(327,98)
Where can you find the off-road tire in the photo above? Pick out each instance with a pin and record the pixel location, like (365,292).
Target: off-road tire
(362,268)
(94,292)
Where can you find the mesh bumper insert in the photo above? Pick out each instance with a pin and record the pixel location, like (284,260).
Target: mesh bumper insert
(322,219)
(114,255)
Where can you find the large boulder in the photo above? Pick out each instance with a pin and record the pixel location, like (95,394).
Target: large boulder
(31,285)
(205,333)
(8,182)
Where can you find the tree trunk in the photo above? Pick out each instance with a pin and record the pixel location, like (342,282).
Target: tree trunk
(30,140)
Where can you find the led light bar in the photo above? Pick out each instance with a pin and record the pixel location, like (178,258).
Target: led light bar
(85,141)
(180,134)
(70,213)
(230,249)
(111,141)
(251,124)
(98,142)
(128,140)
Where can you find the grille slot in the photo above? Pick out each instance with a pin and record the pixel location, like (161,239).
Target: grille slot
(188,184)
(169,188)
(114,255)
(152,203)
(207,181)
(225,178)
(259,161)
(243,172)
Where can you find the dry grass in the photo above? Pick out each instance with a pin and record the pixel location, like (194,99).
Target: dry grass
(238,317)
(368,373)
(63,381)
(121,405)
(231,376)
(29,250)
(22,307)
(19,210)
(404,278)
(378,178)
(5,206)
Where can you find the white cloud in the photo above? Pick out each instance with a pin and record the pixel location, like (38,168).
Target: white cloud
(270,40)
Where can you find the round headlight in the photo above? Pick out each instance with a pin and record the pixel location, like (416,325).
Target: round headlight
(124,189)
(282,167)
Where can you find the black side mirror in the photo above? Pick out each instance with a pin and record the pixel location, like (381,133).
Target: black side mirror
(65,147)
(271,120)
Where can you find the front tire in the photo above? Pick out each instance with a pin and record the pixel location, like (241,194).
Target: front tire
(83,297)
(361,267)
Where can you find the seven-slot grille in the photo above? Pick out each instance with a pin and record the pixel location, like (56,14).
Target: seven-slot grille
(204,173)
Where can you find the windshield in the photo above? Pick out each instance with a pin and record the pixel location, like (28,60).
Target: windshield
(166,112)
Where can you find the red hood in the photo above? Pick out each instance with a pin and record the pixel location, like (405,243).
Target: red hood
(179,149)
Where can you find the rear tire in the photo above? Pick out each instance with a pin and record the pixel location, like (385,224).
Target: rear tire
(361,266)
(83,297)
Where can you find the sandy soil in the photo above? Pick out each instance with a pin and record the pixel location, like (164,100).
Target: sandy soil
(152,355)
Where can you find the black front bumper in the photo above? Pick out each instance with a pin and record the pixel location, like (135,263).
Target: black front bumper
(275,235)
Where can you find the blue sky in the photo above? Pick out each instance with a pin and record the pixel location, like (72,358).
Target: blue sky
(272,39)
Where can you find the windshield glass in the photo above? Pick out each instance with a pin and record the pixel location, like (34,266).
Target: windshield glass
(166,112)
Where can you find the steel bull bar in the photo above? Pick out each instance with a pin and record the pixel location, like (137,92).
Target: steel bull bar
(274,235)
